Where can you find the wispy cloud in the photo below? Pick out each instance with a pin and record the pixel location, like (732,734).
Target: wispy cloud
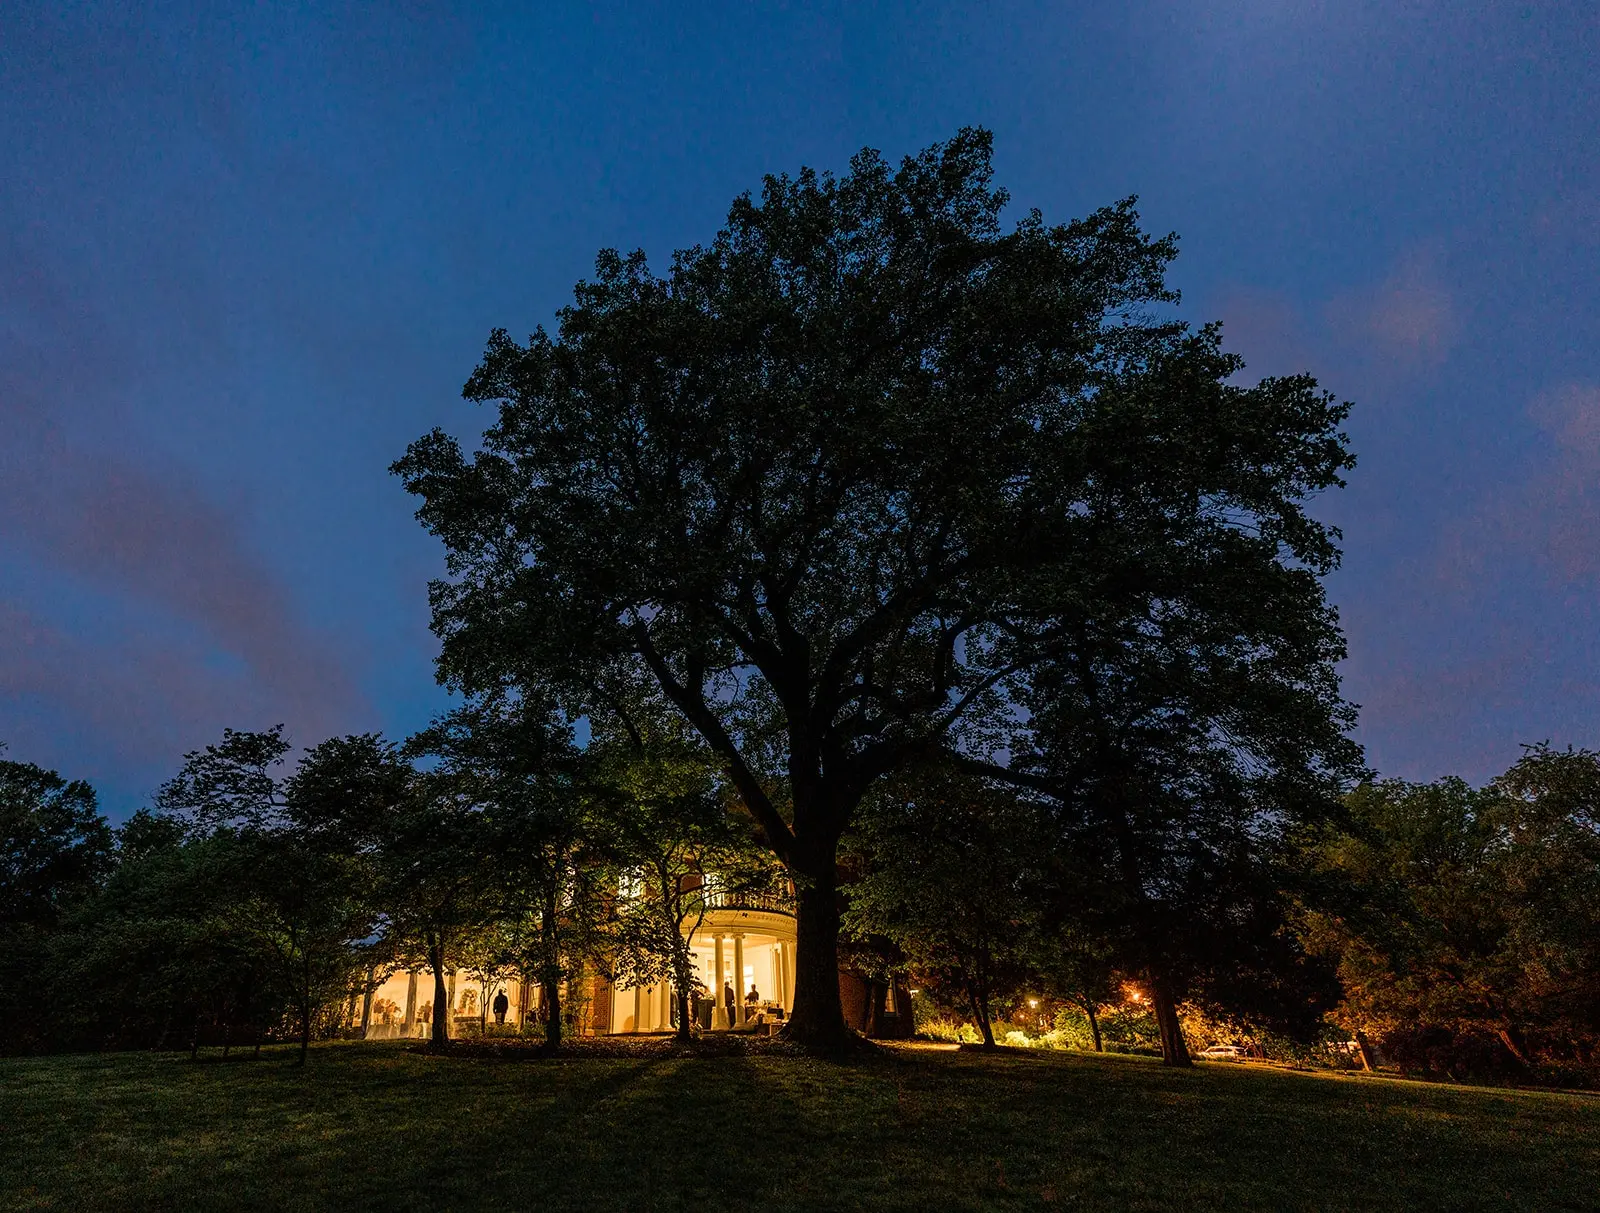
(1410,317)
(87,501)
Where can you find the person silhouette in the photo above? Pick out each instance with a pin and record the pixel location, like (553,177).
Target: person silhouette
(501,1005)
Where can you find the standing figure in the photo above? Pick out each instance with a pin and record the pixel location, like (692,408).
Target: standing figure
(501,1005)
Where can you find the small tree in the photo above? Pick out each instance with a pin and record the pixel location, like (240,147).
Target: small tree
(1078,968)
(315,920)
(950,879)
(670,831)
(511,766)
(302,892)
(487,955)
(55,851)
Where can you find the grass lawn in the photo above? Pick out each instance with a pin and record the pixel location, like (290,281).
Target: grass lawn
(373,1126)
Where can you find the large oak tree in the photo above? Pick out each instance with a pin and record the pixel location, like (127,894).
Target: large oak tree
(842,479)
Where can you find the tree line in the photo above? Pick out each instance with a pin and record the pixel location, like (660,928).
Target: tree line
(926,560)
(256,901)
(1448,930)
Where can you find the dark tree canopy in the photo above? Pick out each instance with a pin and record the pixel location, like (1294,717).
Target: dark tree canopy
(1469,939)
(843,480)
(54,844)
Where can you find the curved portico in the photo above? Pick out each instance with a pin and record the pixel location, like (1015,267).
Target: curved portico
(743,941)
(749,949)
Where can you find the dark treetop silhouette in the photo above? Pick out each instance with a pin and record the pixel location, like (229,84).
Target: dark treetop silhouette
(842,480)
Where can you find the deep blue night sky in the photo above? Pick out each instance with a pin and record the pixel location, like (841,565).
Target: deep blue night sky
(245,259)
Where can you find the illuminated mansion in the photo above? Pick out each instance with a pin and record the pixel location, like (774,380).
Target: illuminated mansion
(744,952)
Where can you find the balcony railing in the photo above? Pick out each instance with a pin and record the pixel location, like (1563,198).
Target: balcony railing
(773,901)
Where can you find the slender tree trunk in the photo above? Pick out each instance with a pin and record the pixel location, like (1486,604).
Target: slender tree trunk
(683,980)
(552,1012)
(440,1034)
(1174,1052)
(307,1008)
(550,976)
(1364,1051)
(980,1012)
(817,1020)
(1094,1027)
(685,1027)
(366,1002)
(1508,1038)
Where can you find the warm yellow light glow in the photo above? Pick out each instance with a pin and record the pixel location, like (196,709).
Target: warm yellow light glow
(1033,1002)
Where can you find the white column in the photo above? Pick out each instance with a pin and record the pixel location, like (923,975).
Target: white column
(719,1013)
(738,980)
(788,974)
(777,974)
(411,1001)
(638,1009)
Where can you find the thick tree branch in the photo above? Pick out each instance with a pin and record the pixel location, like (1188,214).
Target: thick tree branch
(694,707)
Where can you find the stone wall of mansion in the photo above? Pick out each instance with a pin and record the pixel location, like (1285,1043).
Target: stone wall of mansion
(744,953)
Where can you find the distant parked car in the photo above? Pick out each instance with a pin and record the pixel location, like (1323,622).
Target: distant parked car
(1222,1053)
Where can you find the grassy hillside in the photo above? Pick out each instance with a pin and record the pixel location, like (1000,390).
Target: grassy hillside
(377,1127)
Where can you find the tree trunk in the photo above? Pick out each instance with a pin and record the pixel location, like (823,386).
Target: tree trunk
(1174,1052)
(440,1034)
(1364,1051)
(683,974)
(817,1020)
(683,981)
(366,1002)
(308,1007)
(980,1012)
(550,973)
(685,1027)
(552,1013)
(1508,1038)
(1094,1027)
(877,995)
